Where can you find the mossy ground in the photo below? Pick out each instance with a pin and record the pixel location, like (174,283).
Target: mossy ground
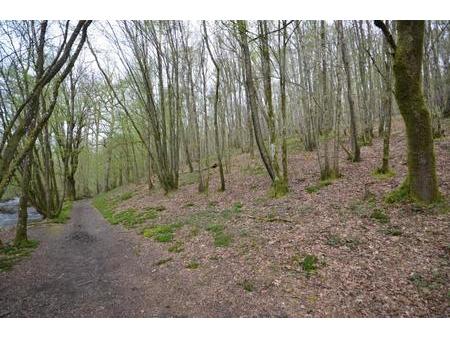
(380,216)
(400,194)
(193,264)
(130,217)
(64,215)
(316,187)
(161,233)
(12,254)
(278,189)
(379,174)
(247,285)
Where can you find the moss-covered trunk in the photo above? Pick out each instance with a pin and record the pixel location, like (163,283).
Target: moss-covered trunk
(71,189)
(22,222)
(422,182)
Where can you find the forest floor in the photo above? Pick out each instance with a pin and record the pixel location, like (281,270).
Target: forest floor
(323,250)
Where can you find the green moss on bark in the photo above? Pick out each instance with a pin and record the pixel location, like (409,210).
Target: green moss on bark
(422,181)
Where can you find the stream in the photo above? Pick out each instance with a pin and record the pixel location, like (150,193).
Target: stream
(9,213)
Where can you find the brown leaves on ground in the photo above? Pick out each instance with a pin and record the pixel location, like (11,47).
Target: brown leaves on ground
(340,251)
(395,265)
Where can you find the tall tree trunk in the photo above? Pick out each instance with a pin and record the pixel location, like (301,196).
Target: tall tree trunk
(22,222)
(216,111)
(345,60)
(387,108)
(253,107)
(421,181)
(284,163)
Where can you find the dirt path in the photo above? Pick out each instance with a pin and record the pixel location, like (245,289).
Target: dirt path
(88,268)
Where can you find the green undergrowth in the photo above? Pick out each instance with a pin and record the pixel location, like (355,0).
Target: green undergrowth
(316,187)
(105,205)
(247,285)
(369,208)
(11,254)
(193,264)
(162,233)
(221,239)
(400,194)
(380,216)
(434,280)
(278,189)
(129,217)
(64,214)
(308,263)
(132,217)
(125,196)
(379,174)
(213,220)
(363,207)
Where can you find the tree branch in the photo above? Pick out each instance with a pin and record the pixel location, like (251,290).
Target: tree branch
(381,25)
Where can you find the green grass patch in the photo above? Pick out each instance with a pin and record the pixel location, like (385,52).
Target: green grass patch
(64,214)
(193,265)
(379,174)
(247,285)
(131,217)
(125,196)
(221,239)
(214,227)
(105,205)
(316,187)
(400,194)
(309,264)
(380,216)
(435,280)
(161,233)
(11,254)
(237,206)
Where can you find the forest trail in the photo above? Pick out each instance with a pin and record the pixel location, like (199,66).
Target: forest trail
(375,259)
(86,268)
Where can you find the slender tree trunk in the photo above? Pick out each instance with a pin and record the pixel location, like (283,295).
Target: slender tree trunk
(253,107)
(216,111)
(387,108)
(22,223)
(283,102)
(354,134)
